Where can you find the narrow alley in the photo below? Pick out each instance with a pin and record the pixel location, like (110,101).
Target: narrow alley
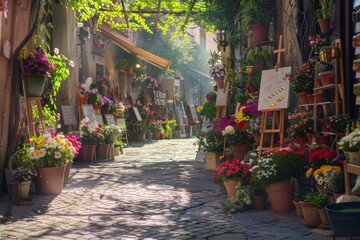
(154,191)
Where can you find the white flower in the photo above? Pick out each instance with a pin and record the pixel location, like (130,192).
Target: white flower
(320,181)
(57,155)
(230,130)
(71,63)
(56,51)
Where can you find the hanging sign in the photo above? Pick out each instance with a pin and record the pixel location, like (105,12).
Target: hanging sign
(274,89)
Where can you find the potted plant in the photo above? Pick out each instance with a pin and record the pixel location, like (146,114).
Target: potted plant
(256,15)
(321,201)
(117,146)
(297,196)
(310,212)
(339,123)
(105,148)
(91,134)
(323,14)
(302,82)
(156,127)
(20,186)
(274,171)
(36,69)
(237,134)
(49,154)
(231,173)
(260,58)
(217,72)
(350,145)
(106,104)
(300,123)
(212,142)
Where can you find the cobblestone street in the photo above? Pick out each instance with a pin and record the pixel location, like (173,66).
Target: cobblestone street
(152,191)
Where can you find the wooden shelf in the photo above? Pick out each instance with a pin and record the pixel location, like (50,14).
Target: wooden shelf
(325,87)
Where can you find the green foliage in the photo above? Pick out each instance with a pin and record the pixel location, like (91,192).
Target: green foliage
(325,9)
(208,110)
(242,199)
(256,12)
(321,200)
(297,193)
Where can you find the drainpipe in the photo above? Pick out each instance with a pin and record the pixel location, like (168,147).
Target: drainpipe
(12,88)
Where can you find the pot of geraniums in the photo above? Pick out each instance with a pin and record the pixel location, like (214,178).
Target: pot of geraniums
(156,127)
(238,135)
(300,123)
(36,70)
(257,15)
(323,14)
(350,145)
(218,72)
(231,172)
(338,123)
(49,154)
(274,171)
(302,82)
(91,134)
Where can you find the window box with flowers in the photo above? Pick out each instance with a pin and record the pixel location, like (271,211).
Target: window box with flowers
(274,171)
(231,173)
(36,70)
(218,72)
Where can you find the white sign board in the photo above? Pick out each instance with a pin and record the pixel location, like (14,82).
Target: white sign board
(137,114)
(88,112)
(110,120)
(120,121)
(99,119)
(274,89)
(68,114)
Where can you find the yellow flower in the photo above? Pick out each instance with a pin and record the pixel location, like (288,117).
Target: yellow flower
(325,168)
(337,169)
(316,172)
(240,115)
(198,109)
(309,172)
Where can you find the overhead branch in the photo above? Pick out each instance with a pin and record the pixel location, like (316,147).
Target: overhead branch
(125,15)
(157,16)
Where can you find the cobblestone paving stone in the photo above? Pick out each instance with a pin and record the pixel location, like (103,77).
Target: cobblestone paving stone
(124,199)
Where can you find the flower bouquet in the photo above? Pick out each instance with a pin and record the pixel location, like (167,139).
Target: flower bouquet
(327,178)
(111,133)
(91,133)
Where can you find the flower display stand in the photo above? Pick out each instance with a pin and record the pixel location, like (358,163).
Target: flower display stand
(50,180)
(212,160)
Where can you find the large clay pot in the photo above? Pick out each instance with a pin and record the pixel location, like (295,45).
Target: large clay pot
(86,154)
(260,32)
(102,151)
(239,152)
(230,188)
(311,214)
(324,218)
(310,98)
(280,195)
(156,135)
(320,97)
(317,82)
(50,180)
(259,202)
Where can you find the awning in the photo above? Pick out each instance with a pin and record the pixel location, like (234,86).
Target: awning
(115,36)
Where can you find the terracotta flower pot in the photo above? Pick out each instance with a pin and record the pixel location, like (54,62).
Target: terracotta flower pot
(259,202)
(324,140)
(311,215)
(83,100)
(324,25)
(320,97)
(301,140)
(310,98)
(260,32)
(230,187)
(156,135)
(50,180)
(103,151)
(281,195)
(86,154)
(324,218)
(303,97)
(67,172)
(298,209)
(317,82)
(239,152)
(327,77)
(309,137)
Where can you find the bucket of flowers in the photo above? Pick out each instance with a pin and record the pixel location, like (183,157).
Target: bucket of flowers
(350,145)
(36,70)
